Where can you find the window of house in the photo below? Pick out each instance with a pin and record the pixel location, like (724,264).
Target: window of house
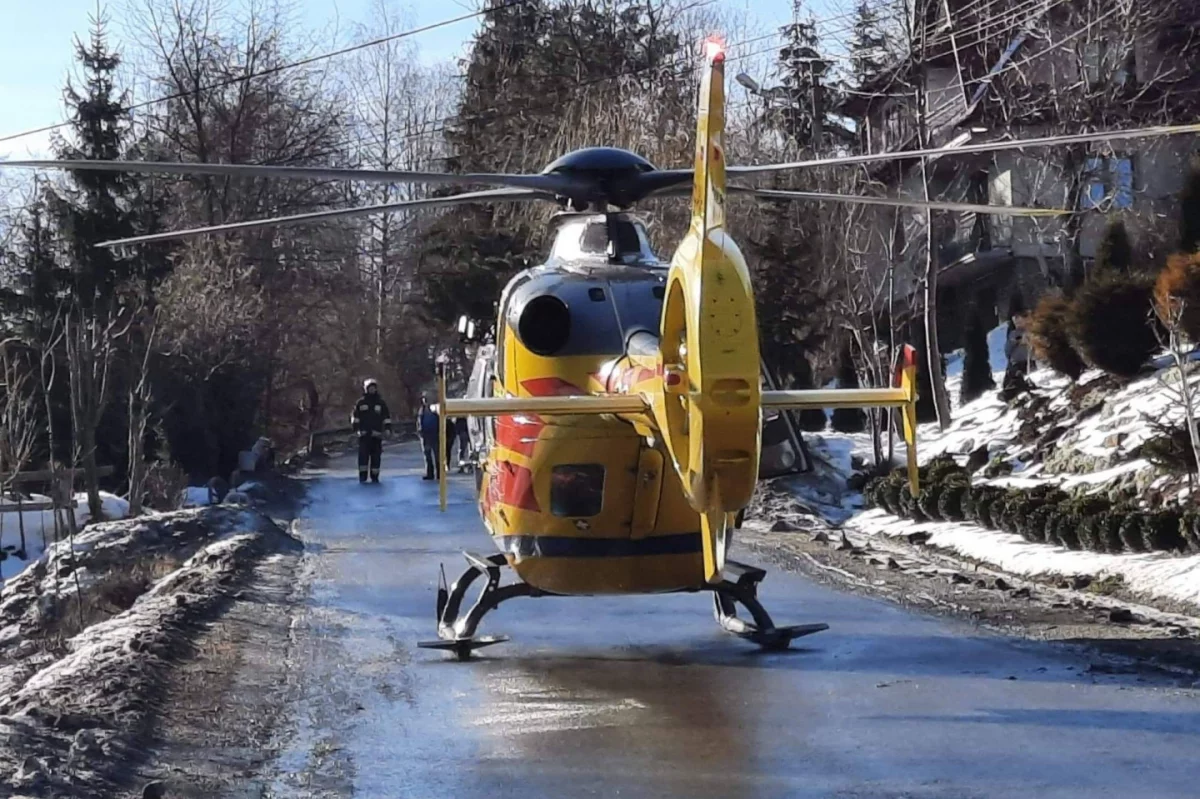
(1108,183)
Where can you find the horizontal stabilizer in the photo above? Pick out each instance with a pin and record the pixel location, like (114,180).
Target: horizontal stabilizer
(546,406)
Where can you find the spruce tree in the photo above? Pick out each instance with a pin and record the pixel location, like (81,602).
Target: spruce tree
(977,367)
(1115,251)
(96,206)
(802,71)
(848,420)
(1189,209)
(37,282)
(868,47)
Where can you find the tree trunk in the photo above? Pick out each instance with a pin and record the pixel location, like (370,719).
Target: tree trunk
(137,459)
(1075,162)
(933,351)
(91,475)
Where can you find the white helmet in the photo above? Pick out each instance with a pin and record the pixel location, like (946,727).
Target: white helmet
(370,381)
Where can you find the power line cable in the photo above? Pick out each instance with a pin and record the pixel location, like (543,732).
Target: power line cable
(291,65)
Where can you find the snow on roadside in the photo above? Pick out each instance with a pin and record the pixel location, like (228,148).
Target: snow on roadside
(86,700)
(39,527)
(1154,575)
(1105,437)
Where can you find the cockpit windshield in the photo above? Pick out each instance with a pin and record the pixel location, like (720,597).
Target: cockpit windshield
(587,239)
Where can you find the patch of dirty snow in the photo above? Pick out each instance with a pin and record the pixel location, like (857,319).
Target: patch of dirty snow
(1154,575)
(39,527)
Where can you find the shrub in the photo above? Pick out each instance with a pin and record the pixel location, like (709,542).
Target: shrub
(1171,451)
(1177,293)
(977,367)
(1160,531)
(890,493)
(997,467)
(910,507)
(1049,337)
(1050,528)
(1030,524)
(1066,532)
(950,505)
(978,508)
(848,420)
(1082,510)
(1115,251)
(1189,529)
(1004,512)
(165,484)
(1108,531)
(870,492)
(992,514)
(928,501)
(940,468)
(1131,531)
(1037,522)
(1110,325)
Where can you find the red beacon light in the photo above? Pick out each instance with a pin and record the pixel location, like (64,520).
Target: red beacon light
(714,49)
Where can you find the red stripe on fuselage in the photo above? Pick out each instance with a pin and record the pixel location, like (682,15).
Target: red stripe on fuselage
(519,433)
(551,387)
(515,486)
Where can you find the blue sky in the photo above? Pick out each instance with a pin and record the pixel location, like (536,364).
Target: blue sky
(36,47)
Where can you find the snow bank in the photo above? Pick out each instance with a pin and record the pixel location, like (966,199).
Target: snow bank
(1104,433)
(1154,575)
(87,700)
(40,528)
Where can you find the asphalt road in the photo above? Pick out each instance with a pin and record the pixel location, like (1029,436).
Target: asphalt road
(645,697)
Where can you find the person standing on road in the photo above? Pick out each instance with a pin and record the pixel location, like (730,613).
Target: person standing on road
(451,432)
(370,419)
(428,423)
(464,441)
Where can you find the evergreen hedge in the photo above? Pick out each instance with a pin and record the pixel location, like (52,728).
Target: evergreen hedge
(1044,514)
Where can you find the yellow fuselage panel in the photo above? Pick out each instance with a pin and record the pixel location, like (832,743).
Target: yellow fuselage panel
(644,537)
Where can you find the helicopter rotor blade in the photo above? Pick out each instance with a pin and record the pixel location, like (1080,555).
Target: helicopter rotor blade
(891,202)
(982,147)
(664,183)
(491,195)
(556,184)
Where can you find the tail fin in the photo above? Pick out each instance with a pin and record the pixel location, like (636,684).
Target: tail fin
(708,189)
(907,379)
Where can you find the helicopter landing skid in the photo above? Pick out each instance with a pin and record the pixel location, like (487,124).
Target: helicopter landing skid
(727,595)
(456,630)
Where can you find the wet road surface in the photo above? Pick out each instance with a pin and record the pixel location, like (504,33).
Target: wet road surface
(645,697)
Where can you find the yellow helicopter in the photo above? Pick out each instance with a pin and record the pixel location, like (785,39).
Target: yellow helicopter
(620,409)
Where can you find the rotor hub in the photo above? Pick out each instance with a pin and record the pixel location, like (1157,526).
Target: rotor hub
(607,176)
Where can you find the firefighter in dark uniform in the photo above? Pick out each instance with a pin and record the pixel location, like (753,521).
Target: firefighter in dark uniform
(370,420)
